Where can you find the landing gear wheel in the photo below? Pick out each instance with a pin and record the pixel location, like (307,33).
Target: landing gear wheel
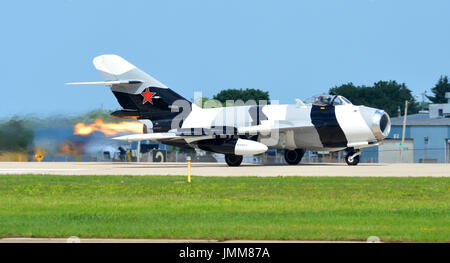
(293,157)
(233,160)
(351,160)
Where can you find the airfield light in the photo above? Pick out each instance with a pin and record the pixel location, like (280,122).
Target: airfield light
(39,156)
(188,159)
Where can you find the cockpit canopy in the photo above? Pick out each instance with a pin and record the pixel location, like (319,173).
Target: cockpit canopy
(327,100)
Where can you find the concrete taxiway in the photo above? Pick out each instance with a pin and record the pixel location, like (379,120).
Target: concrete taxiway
(221,169)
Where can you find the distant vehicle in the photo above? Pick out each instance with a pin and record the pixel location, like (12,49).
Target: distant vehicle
(323,123)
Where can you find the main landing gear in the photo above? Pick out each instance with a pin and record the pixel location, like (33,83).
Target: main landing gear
(352,157)
(233,160)
(293,157)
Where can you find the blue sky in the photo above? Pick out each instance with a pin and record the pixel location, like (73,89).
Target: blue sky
(289,48)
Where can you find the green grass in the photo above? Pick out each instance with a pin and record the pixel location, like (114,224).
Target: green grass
(316,208)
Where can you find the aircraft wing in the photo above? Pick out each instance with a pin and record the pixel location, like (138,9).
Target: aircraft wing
(147,136)
(192,135)
(162,136)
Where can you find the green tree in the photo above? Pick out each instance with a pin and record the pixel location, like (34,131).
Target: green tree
(15,136)
(244,95)
(386,95)
(439,90)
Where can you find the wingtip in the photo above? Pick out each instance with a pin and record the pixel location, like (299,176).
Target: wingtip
(120,138)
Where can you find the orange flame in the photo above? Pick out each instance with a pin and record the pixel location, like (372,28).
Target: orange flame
(108,128)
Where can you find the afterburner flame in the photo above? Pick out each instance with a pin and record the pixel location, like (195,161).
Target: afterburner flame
(110,128)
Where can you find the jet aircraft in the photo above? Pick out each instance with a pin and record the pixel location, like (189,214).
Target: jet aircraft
(323,123)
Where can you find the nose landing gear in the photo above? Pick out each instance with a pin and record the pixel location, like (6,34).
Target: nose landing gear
(352,157)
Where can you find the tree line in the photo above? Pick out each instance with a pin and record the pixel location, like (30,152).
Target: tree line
(386,95)
(390,95)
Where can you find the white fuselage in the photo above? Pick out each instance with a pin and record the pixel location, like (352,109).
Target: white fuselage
(293,126)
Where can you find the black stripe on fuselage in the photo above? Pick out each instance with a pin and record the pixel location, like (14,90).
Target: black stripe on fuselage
(324,120)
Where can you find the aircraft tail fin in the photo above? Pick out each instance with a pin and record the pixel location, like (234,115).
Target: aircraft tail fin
(140,95)
(115,68)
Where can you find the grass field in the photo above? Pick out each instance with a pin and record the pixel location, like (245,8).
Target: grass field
(314,208)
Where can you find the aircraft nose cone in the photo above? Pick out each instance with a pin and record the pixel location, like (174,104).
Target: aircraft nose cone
(381,124)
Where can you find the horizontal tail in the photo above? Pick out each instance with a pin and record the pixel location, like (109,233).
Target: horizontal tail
(107,83)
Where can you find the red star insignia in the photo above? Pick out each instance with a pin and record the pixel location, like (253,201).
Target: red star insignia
(147,96)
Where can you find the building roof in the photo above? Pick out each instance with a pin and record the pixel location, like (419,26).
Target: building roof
(420,119)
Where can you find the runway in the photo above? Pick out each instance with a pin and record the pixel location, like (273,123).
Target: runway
(221,169)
